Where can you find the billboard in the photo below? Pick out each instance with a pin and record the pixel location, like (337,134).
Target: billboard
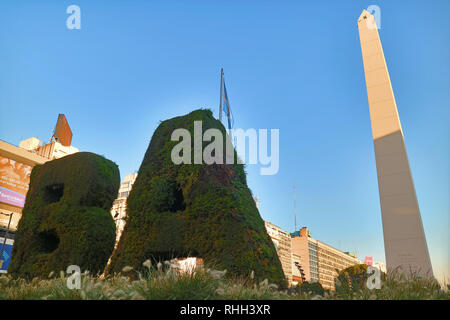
(368,261)
(63,134)
(14,180)
(5,256)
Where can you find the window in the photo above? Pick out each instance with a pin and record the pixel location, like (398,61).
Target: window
(124,194)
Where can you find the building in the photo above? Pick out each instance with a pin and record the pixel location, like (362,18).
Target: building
(380,265)
(52,150)
(15,169)
(119,208)
(59,145)
(298,273)
(282,242)
(404,238)
(16,164)
(319,260)
(304,258)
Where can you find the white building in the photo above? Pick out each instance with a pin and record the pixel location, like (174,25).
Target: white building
(380,265)
(52,150)
(119,208)
(282,241)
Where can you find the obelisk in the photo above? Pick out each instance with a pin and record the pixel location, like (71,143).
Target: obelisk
(404,239)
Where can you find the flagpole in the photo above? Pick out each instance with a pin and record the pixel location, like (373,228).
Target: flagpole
(221,94)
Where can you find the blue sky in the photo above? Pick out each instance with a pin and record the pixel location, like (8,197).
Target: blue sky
(288,65)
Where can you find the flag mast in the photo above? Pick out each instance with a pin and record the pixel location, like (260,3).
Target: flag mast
(295,209)
(221,94)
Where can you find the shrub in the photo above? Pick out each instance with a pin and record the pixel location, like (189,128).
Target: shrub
(351,279)
(197,210)
(66,219)
(314,288)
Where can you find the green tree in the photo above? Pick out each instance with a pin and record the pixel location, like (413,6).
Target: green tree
(351,279)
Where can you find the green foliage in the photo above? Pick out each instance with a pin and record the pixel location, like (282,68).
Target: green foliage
(314,288)
(351,279)
(351,283)
(167,284)
(197,210)
(356,270)
(66,219)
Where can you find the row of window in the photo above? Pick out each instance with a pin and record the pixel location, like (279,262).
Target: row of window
(327,261)
(124,194)
(335,257)
(314,276)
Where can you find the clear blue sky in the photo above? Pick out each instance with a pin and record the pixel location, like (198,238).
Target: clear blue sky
(292,66)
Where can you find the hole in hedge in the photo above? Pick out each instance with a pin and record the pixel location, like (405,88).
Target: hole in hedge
(54,192)
(48,241)
(178,204)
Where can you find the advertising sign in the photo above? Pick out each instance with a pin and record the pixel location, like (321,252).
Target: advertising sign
(14,180)
(5,256)
(368,261)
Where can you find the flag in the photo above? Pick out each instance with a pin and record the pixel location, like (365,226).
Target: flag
(226,104)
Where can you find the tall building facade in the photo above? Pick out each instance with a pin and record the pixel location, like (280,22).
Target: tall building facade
(319,260)
(282,241)
(404,238)
(119,208)
(297,270)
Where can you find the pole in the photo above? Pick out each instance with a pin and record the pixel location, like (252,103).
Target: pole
(4,241)
(295,211)
(221,94)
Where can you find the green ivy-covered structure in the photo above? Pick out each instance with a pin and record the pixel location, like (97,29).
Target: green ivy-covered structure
(66,219)
(201,210)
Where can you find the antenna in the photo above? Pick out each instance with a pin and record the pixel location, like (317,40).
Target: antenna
(295,210)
